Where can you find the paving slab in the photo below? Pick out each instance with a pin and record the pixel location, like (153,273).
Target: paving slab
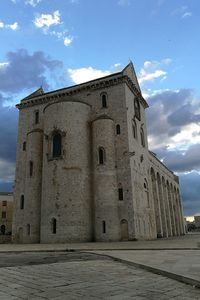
(182,265)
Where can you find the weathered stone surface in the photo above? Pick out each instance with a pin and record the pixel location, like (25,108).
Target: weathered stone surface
(103,184)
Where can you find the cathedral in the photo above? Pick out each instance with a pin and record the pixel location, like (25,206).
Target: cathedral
(84,171)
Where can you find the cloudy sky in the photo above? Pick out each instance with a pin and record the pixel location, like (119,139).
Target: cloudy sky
(57,43)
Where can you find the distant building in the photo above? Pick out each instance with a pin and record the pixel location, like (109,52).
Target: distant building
(197,221)
(84,171)
(6,213)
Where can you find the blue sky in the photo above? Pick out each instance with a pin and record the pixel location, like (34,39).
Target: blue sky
(57,43)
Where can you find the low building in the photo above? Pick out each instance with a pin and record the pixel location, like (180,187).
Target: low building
(197,221)
(6,213)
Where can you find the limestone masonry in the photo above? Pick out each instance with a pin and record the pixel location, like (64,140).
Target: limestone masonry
(84,171)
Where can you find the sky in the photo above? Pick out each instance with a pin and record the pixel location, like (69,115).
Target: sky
(58,43)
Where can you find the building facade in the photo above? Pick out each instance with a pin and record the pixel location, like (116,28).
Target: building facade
(84,171)
(6,213)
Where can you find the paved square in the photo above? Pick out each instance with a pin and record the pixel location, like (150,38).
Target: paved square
(84,276)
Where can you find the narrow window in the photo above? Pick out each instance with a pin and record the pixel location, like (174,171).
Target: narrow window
(101,155)
(36,117)
(22,202)
(28,228)
(30,168)
(4,203)
(3,214)
(137,109)
(53,225)
(57,145)
(118,129)
(134,127)
(24,146)
(104,226)
(142,137)
(120,194)
(104,100)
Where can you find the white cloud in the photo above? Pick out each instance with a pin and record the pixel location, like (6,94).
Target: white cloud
(182,11)
(13,26)
(145,76)
(47,20)
(124,2)
(186,15)
(86,74)
(152,70)
(67,41)
(4,65)
(33,2)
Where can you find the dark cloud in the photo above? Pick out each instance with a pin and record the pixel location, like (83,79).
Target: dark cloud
(190,190)
(183,116)
(169,112)
(181,161)
(8,131)
(25,71)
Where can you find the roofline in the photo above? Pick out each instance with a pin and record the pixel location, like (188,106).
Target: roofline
(72,86)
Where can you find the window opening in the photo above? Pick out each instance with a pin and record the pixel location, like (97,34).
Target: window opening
(118,129)
(22,202)
(57,145)
(120,194)
(104,226)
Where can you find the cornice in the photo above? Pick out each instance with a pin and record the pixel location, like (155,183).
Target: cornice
(90,86)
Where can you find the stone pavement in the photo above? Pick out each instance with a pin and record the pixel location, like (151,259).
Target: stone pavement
(176,258)
(94,278)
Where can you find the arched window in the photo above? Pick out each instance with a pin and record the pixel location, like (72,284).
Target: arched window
(104,100)
(28,229)
(30,168)
(104,226)
(22,202)
(101,155)
(53,225)
(24,146)
(57,144)
(118,129)
(142,137)
(36,117)
(134,127)
(120,194)
(137,108)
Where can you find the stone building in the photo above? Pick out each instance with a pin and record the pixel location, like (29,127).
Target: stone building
(6,213)
(84,171)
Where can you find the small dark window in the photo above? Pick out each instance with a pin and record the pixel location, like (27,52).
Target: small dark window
(104,100)
(118,129)
(142,137)
(134,127)
(3,214)
(28,228)
(104,226)
(53,225)
(36,117)
(4,203)
(137,109)
(101,155)
(22,202)
(30,168)
(120,194)
(57,145)
(24,146)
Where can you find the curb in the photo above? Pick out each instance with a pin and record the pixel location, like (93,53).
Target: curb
(193,282)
